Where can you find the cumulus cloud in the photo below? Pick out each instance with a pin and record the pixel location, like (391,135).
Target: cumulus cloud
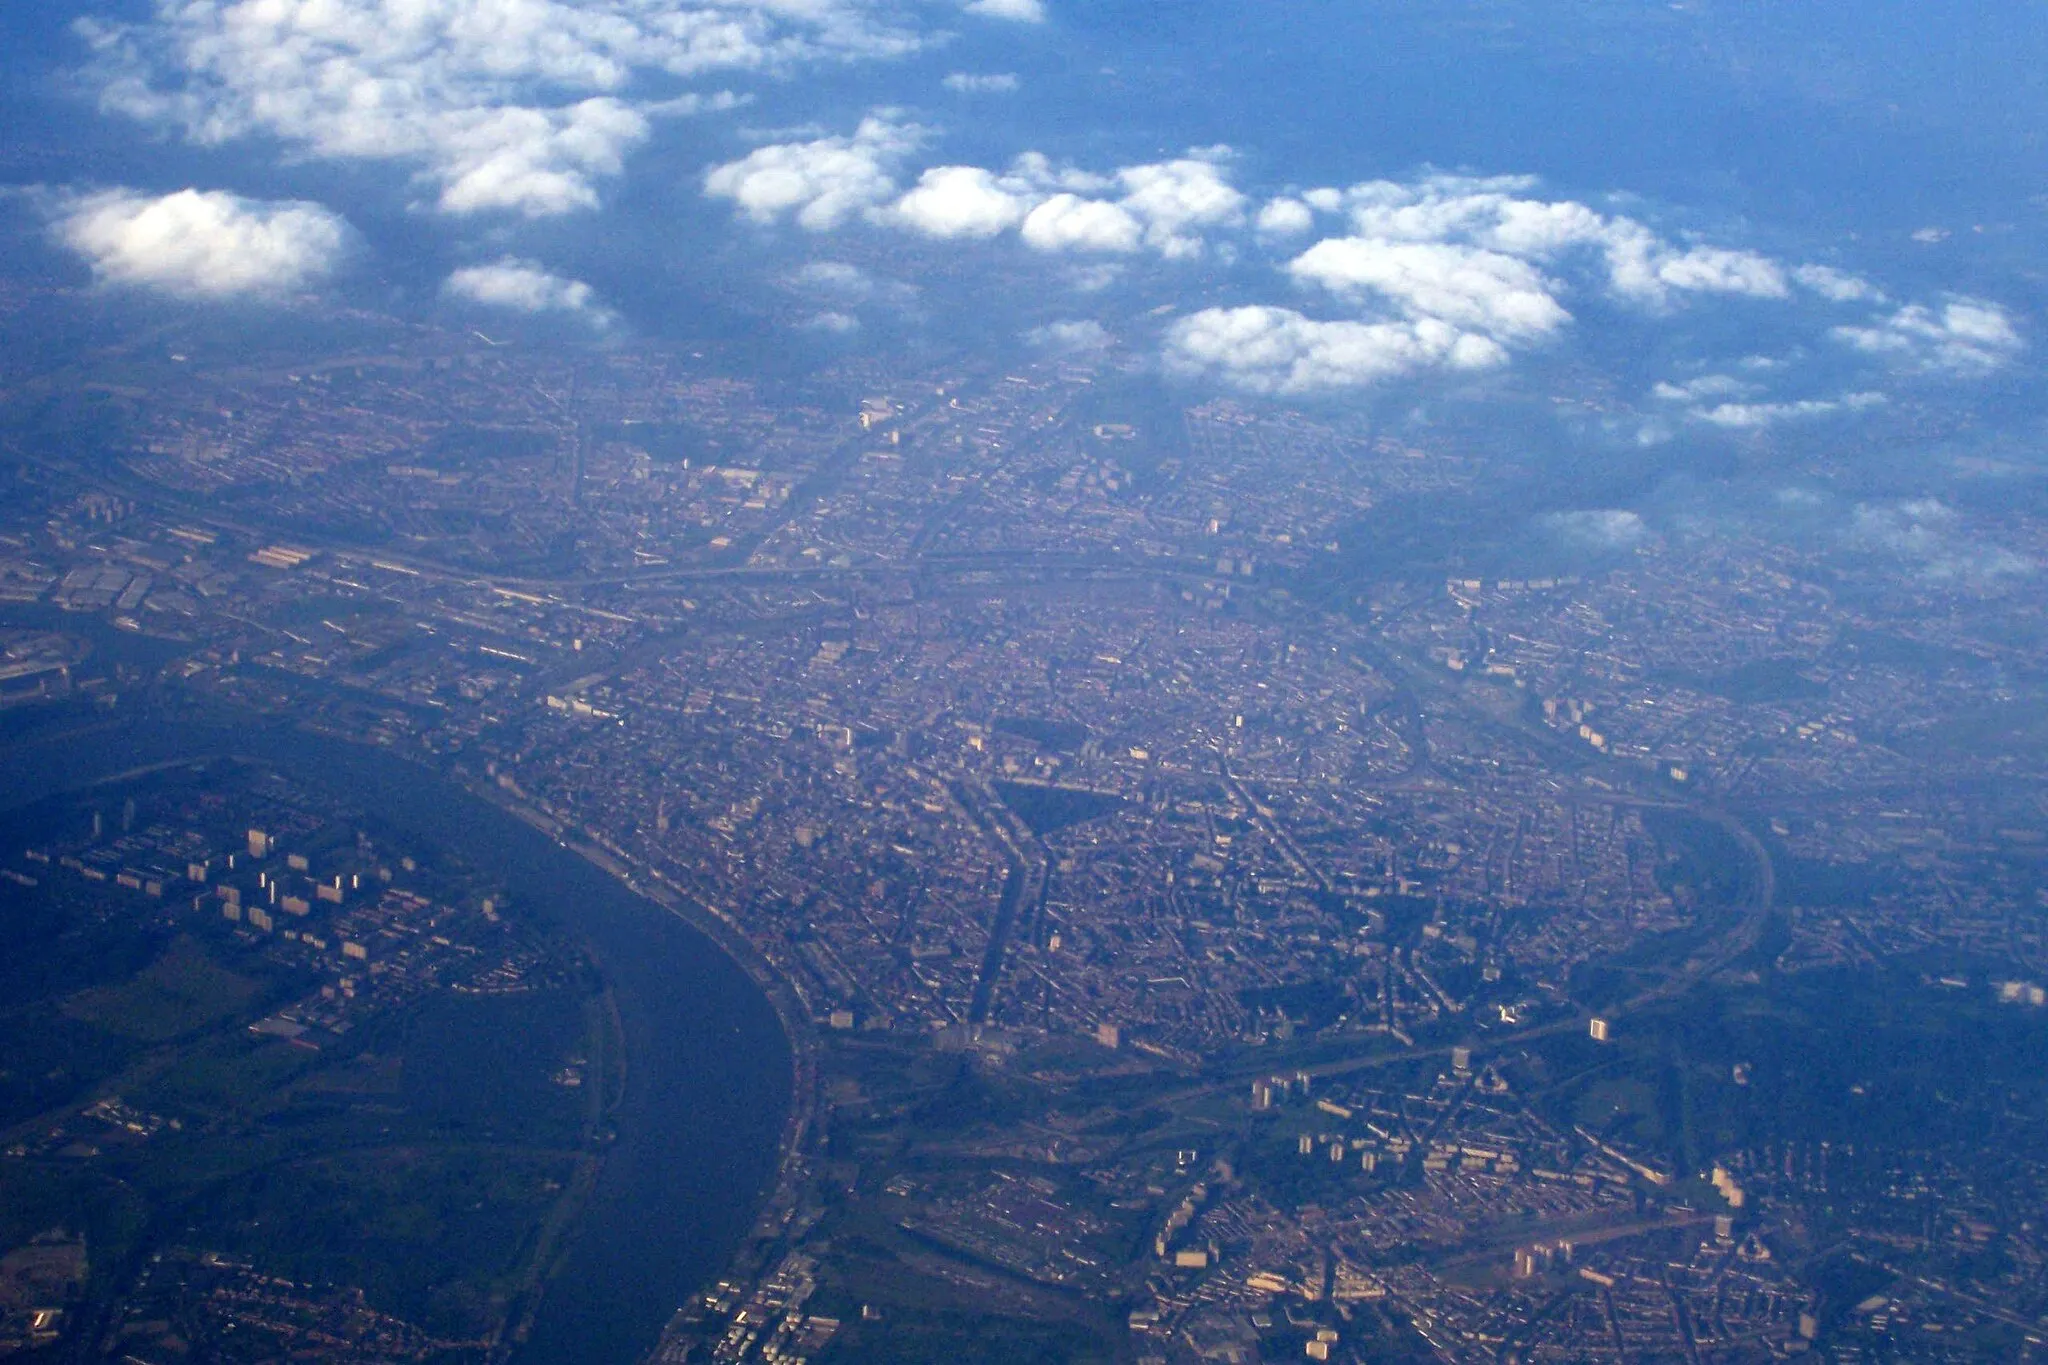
(1491,256)
(1644,269)
(1837,286)
(1042,171)
(1601,528)
(967,83)
(538,162)
(525,287)
(1930,534)
(1440,273)
(1285,217)
(1436,208)
(1069,337)
(1964,335)
(961,201)
(822,182)
(1484,259)
(1017,11)
(520,105)
(1176,199)
(1067,222)
(1471,287)
(202,243)
(1497,214)
(1279,351)
(1168,206)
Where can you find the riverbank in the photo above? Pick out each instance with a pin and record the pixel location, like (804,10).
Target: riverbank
(797,1155)
(716,1110)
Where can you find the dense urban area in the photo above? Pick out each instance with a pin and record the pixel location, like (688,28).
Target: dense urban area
(1226,909)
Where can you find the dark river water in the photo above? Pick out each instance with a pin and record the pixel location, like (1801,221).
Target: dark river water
(708,1066)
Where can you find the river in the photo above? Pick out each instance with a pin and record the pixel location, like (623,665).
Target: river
(708,1080)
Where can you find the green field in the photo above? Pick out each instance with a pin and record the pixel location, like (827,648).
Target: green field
(423,1150)
(181,992)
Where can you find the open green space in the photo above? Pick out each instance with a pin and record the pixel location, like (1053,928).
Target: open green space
(181,992)
(1064,736)
(1046,809)
(436,1235)
(429,1146)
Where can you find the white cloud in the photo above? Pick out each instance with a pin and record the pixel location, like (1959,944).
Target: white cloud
(822,182)
(1645,269)
(1837,286)
(1069,337)
(1169,206)
(1177,198)
(835,279)
(1442,272)
(1716,270)
(1491,257)
(1756,416)
(1736,411)
(1930,534)
(1470,287)
(1706,386)
(1284,217)
(1474,267)
(534,161)
(1067,222)
(1439,208)
(846,286)
(1039,169)
(1602,528)
(832,323)
(525,287)
(522,105)
(1542,228)
(1017,11)
(1495,214)
(202,243)
(1964,335)
(967,83)
(1912,526)
(1094,278)
(961,201)
(1278,351)
(1798,500)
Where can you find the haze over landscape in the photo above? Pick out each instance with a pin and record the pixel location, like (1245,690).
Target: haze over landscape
(839,680)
